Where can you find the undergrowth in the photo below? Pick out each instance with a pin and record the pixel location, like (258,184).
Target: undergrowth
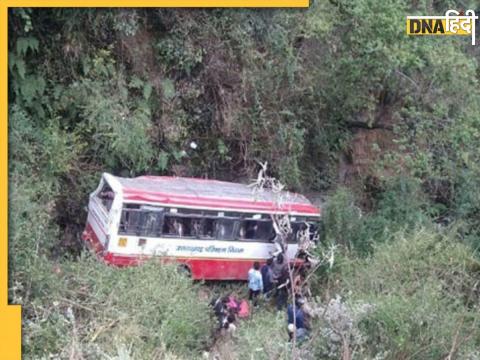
(423,289)
(85,309)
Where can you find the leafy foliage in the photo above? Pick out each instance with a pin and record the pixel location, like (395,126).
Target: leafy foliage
(150,309)
(400,206)
(422,289)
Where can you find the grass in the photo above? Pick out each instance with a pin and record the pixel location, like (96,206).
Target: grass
(85,309)
(423,289)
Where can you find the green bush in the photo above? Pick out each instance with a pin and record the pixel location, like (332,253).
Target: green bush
(263,337)
(400,205)
(422,290)
(36,158)
(343,219)
(90,309)
(466,205)
(115,123)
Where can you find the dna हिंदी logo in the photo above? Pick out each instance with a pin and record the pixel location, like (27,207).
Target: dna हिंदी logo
(453,23)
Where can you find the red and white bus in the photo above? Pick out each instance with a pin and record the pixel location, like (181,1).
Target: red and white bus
(214,229)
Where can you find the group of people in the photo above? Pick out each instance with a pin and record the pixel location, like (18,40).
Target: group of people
(272,281)
(228,309)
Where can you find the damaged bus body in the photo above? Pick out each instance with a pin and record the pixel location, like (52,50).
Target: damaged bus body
(214,229)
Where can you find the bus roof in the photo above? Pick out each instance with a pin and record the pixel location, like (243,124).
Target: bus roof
(203,193)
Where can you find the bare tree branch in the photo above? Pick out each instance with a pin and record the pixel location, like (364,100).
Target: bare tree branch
(306,237)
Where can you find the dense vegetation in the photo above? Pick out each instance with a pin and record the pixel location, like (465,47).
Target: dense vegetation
(336,98)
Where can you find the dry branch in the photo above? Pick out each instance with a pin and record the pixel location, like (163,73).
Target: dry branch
(282,225)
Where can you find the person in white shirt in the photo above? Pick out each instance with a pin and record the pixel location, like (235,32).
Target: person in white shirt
(255,283)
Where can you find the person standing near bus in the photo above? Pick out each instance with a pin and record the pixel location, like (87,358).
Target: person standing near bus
(278,267)
(281,280)
(255,283)
(267,277)
(281,293)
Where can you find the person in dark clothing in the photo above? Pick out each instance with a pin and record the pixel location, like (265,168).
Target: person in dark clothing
(298,281)
(278,267)
(281,292)
(297,325)
(230,323)
(221,310)
(299,315)
(267,277)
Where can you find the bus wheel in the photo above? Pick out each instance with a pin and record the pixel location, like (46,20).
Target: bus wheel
(184,270)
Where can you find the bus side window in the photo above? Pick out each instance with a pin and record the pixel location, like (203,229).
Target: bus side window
(130,222)
(152,223)
(178,226)
(297,227)
(208,227)
(141,222)
(169,226)
(122,228)
(196,227)
(251,228)
(256,230)
(266,231)
(186,226)
(224,229)
(242,230)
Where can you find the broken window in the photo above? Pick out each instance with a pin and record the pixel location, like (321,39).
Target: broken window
(300,225)
(256,230)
